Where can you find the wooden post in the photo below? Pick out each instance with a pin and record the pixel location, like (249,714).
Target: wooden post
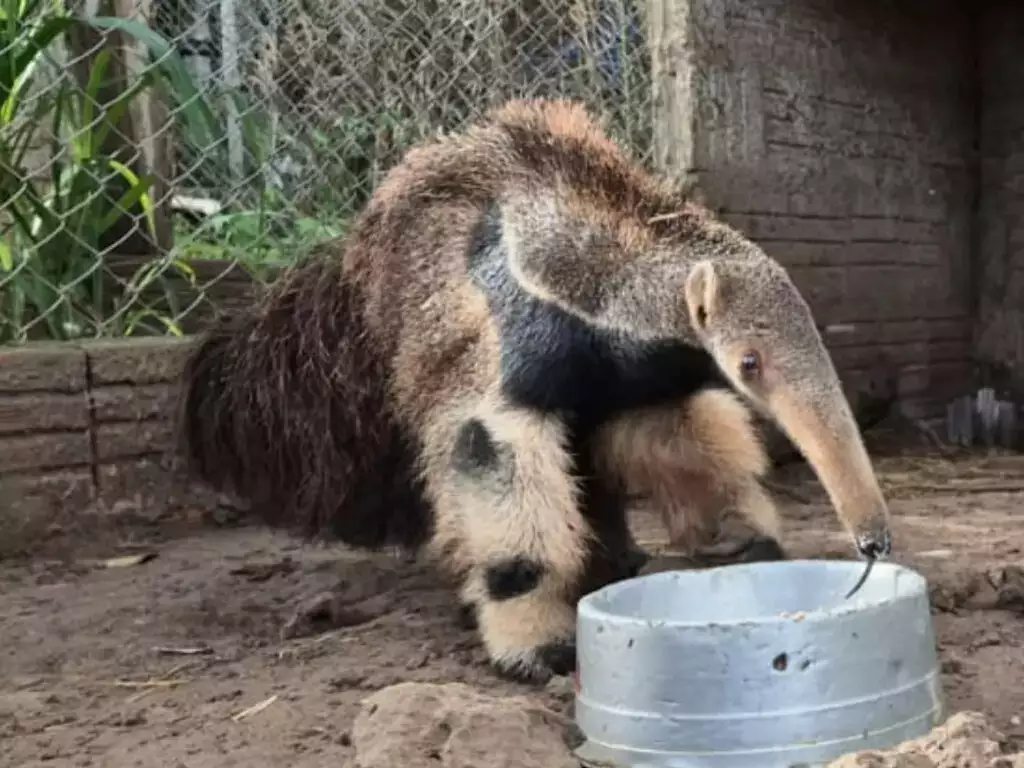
(151,123)
(135,140)
(674,73)
(230,45)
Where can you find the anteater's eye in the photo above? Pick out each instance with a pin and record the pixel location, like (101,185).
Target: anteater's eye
(750,365)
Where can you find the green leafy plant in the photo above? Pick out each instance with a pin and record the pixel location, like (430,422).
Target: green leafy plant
(275,221)
(51,262)
(261,239)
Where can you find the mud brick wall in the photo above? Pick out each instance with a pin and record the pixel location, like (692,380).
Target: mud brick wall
(838,135)
(44,426)
(1000,242)
(89,426)
(131,393)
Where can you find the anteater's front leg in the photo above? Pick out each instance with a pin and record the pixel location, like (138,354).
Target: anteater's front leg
(699,463)
(509,521)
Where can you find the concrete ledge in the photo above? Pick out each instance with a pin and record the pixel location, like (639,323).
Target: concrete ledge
(143,361)
(47,367)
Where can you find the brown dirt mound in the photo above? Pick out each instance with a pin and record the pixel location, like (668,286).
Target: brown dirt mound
(965,740)
(418,725)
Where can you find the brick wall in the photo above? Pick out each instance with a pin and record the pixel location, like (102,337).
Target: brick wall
(838,135)
(1000,240)
(86,426)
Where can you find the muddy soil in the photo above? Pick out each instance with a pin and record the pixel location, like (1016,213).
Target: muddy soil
(177,659)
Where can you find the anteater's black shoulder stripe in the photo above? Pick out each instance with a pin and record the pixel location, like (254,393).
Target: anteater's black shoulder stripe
(554,361)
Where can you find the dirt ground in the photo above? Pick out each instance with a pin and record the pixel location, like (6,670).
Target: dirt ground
(178,661)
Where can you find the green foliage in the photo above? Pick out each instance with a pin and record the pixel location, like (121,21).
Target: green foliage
(289,218)
(269,236)
(52,274)
(359,148)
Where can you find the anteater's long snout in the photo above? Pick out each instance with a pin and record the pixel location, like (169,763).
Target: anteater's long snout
(823,428)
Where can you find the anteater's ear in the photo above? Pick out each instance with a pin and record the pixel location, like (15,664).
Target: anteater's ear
(558,257)
(703,294)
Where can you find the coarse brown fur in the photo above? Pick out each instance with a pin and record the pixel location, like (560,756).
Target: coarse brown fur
(521,327)
(284,406)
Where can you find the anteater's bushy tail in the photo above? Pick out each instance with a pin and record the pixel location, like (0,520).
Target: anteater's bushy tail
(287,406)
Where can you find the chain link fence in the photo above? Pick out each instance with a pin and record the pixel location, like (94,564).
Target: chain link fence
(158,156)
